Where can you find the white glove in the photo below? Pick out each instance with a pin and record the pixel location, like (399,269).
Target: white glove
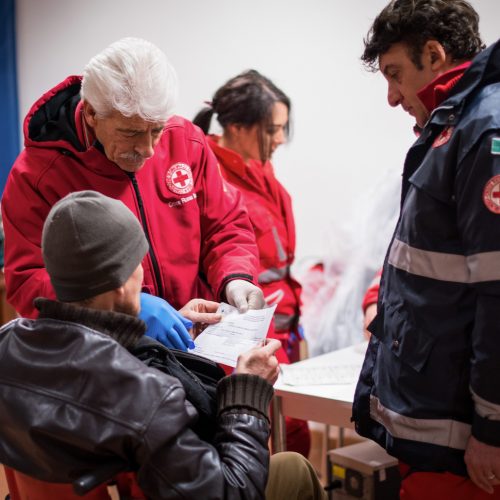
(244,295)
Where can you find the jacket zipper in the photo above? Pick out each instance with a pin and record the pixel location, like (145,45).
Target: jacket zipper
(154,260)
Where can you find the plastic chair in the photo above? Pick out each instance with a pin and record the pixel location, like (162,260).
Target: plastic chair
(91,486)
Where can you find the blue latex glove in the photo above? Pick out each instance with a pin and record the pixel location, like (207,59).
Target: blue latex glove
(164,323)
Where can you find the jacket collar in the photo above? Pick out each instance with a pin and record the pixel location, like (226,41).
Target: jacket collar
(485,68)
(232,161)
(51,120)
(123,328)
(433,94)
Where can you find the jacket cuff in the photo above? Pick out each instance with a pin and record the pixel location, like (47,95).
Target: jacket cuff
(486,430)
(244,393)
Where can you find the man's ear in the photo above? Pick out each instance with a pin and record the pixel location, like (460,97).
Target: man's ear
(116,297)
(434,54)
(118,294)
(89,114)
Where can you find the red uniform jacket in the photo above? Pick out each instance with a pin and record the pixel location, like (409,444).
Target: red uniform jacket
(371,295)
(270,209)
(197,226)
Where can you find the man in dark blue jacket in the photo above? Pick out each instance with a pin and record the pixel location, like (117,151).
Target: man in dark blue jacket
(429,391)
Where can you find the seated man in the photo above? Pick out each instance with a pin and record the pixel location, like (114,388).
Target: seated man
(75,399)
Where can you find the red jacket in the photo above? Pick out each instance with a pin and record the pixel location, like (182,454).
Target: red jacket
(371,295)
(270,209)
(197,226)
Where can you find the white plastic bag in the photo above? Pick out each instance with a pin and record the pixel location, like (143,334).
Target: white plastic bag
(331,314)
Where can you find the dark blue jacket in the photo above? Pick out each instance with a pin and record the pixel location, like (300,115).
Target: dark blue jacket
(431,376)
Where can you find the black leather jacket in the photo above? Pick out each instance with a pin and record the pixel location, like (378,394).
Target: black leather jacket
(72,398)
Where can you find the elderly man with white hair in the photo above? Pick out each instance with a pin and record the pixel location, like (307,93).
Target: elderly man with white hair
(113,131)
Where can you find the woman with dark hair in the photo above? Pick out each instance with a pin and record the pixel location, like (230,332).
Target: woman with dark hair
(254,116)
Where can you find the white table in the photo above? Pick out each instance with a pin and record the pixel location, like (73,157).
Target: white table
(328,404)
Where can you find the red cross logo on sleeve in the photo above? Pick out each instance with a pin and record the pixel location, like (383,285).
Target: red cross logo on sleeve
(179,178)
(443,137)
(491,194)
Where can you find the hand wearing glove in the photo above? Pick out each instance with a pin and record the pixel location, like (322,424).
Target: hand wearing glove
(164,323)
(244,295)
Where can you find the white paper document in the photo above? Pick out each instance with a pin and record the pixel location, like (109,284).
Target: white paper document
(337,374)
(235,334)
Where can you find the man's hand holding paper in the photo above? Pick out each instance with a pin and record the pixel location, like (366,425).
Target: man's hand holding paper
(235,334)
(261,361)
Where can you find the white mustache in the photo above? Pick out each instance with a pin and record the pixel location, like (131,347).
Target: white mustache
(134,157)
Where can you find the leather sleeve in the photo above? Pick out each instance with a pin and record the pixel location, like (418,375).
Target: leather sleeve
(234,467)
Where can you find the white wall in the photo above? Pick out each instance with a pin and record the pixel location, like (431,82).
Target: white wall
(345,134)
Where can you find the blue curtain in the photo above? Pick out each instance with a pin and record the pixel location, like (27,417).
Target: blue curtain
(9,118)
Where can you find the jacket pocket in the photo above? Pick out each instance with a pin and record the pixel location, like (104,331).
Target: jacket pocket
(410,344)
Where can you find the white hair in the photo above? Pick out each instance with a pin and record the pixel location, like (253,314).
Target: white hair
(131,76)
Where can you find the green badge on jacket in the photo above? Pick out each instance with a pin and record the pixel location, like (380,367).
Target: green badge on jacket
(495,146)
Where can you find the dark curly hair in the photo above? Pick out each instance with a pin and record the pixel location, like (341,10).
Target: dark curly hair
(453,23)
(246,99)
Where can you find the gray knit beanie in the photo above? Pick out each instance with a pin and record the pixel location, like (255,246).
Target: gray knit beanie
(91,244)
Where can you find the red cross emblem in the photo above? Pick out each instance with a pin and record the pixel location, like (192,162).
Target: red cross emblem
(179,178)
(443,137)
(491,194)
